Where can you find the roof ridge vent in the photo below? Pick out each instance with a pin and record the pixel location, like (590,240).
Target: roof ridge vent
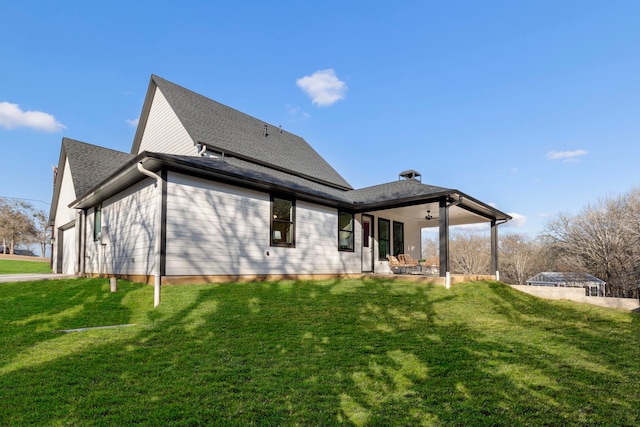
(410,175)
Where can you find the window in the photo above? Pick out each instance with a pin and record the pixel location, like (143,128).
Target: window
(97,222)
(366,233)
(384,237)
(345,231)
(398,238)
(283,214)
(591,291)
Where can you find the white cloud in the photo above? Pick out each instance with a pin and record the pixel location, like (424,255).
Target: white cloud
(566,156)
(133,122)
(323,87)
(517,220)
(11,117)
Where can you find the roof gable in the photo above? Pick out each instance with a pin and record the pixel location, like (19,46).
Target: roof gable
(63,191)
(90,164)
(162,131)
(229,131)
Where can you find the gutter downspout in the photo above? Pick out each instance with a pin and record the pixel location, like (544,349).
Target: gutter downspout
(158,257)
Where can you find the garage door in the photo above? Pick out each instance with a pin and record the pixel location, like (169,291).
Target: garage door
(66,251)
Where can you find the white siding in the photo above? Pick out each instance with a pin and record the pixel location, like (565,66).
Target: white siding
(412,241)
(67,195)
(64,215)
(164,133)
(219,229)
(127,243)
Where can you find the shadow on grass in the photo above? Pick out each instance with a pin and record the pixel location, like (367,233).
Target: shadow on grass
(32,310)
(356,352)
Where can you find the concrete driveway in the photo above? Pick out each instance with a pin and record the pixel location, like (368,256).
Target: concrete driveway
(32,277)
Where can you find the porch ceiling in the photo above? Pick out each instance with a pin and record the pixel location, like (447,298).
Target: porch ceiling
(416,213)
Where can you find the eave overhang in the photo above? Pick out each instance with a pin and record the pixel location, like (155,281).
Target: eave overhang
(468,211)
(413,206)
(129,175)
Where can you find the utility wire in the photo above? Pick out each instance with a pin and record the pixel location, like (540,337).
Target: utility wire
(28,200)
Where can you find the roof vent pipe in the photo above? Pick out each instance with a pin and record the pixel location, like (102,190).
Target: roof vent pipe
(266,134)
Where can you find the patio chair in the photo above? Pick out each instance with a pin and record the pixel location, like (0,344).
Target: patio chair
(409,262)
(395,265)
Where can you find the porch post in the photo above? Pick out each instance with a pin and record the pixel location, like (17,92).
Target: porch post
(494,249)
(444,237)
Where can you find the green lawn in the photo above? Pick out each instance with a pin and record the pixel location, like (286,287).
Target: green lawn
(350,352)
(10,266)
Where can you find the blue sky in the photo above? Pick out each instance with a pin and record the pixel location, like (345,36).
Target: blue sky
(533,107)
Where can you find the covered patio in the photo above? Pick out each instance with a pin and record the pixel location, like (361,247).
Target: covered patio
(394,214)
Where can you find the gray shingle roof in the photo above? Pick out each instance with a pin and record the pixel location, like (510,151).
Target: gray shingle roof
(90,164)
(402,189)
(277,161)
(383,193)
(251,172)
(240,135)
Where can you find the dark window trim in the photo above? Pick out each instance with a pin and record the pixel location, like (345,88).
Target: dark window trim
(352,237)
(292,222)
(97,222)
(389,240)
(393,239)
(372,232)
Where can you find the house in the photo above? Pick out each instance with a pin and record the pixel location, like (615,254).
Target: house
(209,193)
(593,286)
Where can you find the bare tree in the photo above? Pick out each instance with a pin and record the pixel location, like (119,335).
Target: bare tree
(604,240)
(430,251)
(470,252)
(520,258)
(43,231)
(17,224)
